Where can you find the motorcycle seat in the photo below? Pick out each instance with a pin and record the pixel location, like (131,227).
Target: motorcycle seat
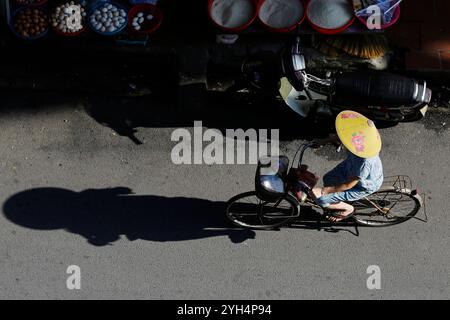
(375,89)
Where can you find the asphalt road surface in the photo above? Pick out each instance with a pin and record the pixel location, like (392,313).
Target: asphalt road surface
(90,182)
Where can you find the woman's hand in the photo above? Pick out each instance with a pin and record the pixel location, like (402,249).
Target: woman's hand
(327,190)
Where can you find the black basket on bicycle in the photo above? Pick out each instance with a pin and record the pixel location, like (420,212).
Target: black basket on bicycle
(270,179)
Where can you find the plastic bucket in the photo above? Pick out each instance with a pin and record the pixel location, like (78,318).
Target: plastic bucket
(325,30)
(394,19)
(35,4)
(100,4)
(17,34)
(237,29)
(71,34)
(68,34)
(286,29)
(147,9)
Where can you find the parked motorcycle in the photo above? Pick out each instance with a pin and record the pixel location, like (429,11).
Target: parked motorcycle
(378,95)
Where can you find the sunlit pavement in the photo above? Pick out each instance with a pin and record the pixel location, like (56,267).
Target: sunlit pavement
(101,192)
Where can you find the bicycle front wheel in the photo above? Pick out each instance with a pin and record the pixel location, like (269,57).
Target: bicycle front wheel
(386,207)
(248,211)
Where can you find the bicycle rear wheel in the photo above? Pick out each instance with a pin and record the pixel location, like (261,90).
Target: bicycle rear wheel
(248,211)
(386,207)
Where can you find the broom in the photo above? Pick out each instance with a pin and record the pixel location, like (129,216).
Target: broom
(366,46)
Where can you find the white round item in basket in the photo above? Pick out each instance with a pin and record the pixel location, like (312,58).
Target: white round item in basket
(281,14)
(232,13)
(330,14)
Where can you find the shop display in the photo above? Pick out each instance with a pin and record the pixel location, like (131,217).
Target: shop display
(108,18)
(389,11)
(232,14)
(30,23)
(111,17)
(30,2)
(145,18)
(387,8)
(331,15)
(139,20)
(281,14)
(68,18)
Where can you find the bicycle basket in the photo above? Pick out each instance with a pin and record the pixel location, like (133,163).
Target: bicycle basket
(270,179)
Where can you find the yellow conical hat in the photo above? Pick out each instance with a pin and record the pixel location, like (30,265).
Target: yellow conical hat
(358,134)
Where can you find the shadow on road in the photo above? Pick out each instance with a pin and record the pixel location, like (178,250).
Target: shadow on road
(218,110)
(311,220)
(102,216)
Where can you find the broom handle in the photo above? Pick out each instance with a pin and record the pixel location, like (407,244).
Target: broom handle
(395,5)
(365,9)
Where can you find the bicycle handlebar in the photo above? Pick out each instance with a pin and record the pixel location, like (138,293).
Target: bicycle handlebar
(303,147)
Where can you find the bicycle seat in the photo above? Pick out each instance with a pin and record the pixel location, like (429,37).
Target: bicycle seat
(376,89)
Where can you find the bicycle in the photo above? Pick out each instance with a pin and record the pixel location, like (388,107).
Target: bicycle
(272,204)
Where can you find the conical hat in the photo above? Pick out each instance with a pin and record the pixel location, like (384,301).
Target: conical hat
(358,134)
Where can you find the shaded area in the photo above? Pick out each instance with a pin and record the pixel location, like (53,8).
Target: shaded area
(423,32)
(310,219)
(89,71)
(103,215)
(218,110)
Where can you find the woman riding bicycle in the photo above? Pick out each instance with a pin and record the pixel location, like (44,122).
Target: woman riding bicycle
(360,174)
(283,192)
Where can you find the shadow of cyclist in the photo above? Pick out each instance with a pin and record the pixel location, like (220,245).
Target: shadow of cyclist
(103,215)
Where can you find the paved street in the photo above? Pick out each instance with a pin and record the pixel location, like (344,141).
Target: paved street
(89,182)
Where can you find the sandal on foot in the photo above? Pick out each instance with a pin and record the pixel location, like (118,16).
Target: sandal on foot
(337,215)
